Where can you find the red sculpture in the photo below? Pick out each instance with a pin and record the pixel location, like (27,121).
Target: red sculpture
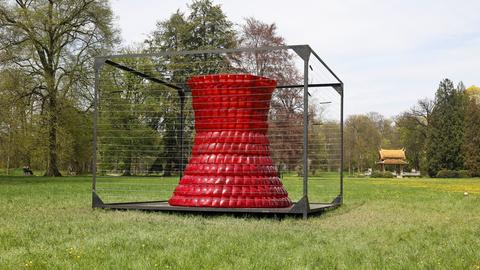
(231,164)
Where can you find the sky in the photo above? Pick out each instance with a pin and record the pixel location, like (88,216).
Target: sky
(389,54)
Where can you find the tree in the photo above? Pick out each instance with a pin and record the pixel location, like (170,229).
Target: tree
(471,147)
(286,111)
(278,65)
(362,142)
(53,42)
(324,142)
(129,135)
(205,27)
(16,114)
(75,138)
(412,137)
(386,128)
(446,129)
(473,92)
(413,131)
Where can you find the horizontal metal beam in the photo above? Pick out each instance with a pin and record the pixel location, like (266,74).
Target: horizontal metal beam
(143,75)
(310,85)
(212,51)
(177,87)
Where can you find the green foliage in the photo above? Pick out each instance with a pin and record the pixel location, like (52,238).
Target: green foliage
(453,174)
(204,27)
(443,134)
(51,44)
(364,136)
(209,27)
(129,126)
(446,129)
(45,102)
(323,147)
(379,174)
(464,174)
(362,142)
(474,92)
(413,127)
(388,132)
(447,174)
(471,147)
(21,130)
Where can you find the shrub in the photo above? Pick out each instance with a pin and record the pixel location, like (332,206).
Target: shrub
(378,174)
(447,174)
(474,173)
(464,174)
(453,174)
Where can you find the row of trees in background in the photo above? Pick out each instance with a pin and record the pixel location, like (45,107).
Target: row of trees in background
(440,135)
(448,128)
(46,52)
(364,136)
(206,27)
(46,76)
(46,94)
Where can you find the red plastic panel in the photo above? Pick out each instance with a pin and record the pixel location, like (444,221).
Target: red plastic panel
(231,164)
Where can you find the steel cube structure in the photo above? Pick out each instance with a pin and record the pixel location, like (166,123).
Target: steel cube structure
(144,128)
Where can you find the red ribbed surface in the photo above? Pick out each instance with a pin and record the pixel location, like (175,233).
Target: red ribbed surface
(231,164)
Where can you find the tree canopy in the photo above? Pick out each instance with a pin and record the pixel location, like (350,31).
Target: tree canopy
(46,96)
(446,129)
(53,42)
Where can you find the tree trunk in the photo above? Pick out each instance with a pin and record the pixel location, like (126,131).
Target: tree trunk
(8,164)
(52,169)
(9,149)
(168,169)
(128,165)
(157,166)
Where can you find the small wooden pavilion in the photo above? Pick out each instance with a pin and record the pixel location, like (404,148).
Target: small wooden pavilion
(392,157)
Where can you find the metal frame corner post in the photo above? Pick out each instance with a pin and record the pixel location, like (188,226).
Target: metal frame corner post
(342,150)
(182,132)
(98,63)
(305,55)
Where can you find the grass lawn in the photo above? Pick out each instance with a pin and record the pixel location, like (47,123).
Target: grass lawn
(48,223)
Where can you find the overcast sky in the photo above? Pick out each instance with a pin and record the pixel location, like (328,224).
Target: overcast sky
(388,53)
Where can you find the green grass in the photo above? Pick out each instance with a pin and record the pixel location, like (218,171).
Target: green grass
(48,223)
(12,172)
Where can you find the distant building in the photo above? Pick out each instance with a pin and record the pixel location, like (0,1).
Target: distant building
(393,158)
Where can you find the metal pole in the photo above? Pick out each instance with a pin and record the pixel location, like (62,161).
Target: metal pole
(305,136)
(95,116)
(341,145)
(182,107)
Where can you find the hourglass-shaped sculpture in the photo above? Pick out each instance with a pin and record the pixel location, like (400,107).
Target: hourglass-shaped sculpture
(231,166)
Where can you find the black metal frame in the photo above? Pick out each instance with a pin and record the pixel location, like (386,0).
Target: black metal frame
(302,207)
